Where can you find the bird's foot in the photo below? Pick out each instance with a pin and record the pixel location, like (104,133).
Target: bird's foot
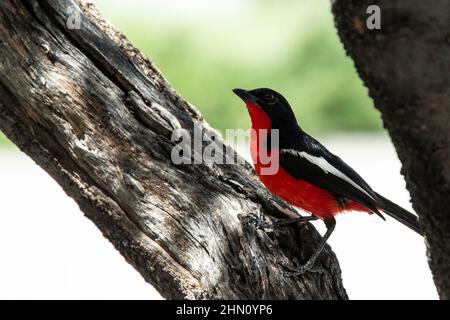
(280,223)
(263,224)
(257,221)
(298,271)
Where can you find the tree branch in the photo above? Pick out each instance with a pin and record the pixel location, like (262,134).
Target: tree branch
(95,113)
(406,67)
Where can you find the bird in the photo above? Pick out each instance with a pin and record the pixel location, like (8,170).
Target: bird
(309,176)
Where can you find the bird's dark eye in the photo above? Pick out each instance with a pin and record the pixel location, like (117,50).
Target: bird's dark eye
(269,98)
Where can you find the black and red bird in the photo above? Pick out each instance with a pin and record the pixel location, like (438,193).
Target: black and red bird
(309,176)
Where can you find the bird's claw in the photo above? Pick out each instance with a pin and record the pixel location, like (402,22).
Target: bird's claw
(262,224)
(298,271)
(282,223)
(259,222)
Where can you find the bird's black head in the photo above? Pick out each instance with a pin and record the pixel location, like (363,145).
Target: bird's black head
(271,102)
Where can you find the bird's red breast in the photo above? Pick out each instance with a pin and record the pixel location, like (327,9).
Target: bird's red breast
(299,193)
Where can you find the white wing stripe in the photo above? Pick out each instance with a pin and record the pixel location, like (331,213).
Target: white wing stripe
(327,168)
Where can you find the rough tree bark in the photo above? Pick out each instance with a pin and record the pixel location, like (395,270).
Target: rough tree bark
(406,66)
(94,113)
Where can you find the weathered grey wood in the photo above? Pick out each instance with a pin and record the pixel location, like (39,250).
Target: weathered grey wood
(94,113)
(406,66)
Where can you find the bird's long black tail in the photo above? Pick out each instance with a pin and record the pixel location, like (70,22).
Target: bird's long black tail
(398,213)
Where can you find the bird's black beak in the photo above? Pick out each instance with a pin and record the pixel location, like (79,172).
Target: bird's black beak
(246,96)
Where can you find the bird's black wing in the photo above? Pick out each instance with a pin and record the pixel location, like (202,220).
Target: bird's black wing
(312,162)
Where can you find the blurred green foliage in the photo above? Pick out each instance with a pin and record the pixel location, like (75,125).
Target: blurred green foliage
(290,46)
(3,140)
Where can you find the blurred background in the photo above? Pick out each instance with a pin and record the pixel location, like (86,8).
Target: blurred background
(205,49)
